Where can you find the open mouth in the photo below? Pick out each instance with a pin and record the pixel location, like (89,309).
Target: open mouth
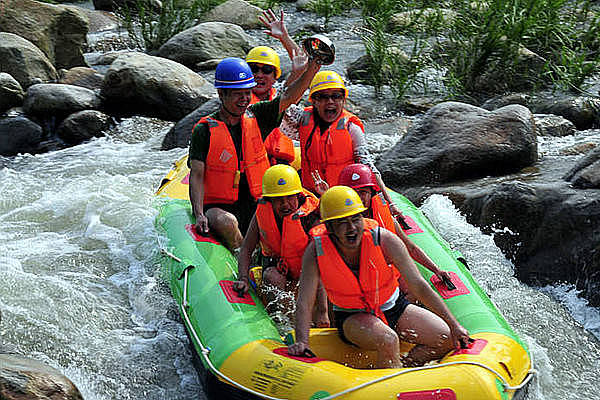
(351,238)
(330,113)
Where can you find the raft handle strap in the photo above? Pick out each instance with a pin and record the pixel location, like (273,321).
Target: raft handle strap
(184,275)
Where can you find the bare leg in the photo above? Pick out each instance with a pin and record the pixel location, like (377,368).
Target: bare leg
(225,225)
(429,332)
(274,284)
(369,332)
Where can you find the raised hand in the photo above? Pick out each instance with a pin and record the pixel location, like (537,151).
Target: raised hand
(276,26)
(320,185)
(299,61)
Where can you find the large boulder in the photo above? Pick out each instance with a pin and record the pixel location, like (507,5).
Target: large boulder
(81,76)
(206,41)
(18,134)
(456,141)
(139,84)
(586,173)
(180,134)
(58,100)
(11,93)
(238,12)
(24,378)
(58,31)
(83,125)
(23,61)
(580,110)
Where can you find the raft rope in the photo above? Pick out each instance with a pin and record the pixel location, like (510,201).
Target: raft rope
(205,351)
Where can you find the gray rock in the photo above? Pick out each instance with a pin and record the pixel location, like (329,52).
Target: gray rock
(553,125)
(23,61)
(455,141)
(58,31)
(238,12)
(581,111)
(11,93)
(586,173)
(179,135)
(24,378)
(81,76)
(207,41)
(505,100)
(19,134)
(83,125)
(59,100)
(139,84)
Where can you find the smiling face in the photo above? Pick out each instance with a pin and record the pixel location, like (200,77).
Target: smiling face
(347,231)
(264,76)
(284,205)
(235,101)
(329,103)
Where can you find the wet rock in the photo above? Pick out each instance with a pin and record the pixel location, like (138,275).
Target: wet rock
(581,111)
(58,31)
(139,84)
(24,61)
(11,93)
(180,134)
(456,141)
(505,100)
(58,100)
(238,12)
(81,76)
(19,134)
(547,227)
(581,148)
(553,125)
(586,173)
(22,378)
(83,125)
(206,41)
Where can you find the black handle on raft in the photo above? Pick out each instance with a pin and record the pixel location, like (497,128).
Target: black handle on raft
(308,353)
(448,283)
(402,223)
(466,345)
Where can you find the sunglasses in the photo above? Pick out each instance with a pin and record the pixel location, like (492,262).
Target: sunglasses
(337,96)
(266,69)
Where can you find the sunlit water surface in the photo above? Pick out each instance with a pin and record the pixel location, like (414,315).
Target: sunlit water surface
(81,287)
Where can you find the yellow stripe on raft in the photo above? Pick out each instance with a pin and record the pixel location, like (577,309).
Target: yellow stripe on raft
(257,367)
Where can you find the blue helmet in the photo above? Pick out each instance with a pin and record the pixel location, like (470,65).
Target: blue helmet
(234,73)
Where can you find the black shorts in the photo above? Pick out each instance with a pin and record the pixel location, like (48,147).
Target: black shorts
(392,315)
(243,212)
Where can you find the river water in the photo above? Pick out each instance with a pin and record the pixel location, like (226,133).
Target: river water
(81,286)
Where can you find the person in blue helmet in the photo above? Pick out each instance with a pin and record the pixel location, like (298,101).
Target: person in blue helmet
(227,156)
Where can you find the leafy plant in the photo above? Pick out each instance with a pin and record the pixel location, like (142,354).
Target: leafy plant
(149,26)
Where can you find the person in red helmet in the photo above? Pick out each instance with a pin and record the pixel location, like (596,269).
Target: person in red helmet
(360,178)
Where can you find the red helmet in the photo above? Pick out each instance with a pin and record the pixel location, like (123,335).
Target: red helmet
(357,176)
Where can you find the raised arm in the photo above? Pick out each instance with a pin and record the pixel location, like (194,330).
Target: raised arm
(197,195)
(296,89)
(307,292)
(396,253)
(278,30)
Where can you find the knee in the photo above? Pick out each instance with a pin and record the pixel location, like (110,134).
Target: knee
(388,341)
(225,222)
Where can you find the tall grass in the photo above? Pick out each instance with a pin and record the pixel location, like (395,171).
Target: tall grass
(483,46)
(149,27)
(327,9)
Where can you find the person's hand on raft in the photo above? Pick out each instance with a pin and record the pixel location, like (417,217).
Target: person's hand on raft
(241,286)
(298,349)
(202,224)
(460,336)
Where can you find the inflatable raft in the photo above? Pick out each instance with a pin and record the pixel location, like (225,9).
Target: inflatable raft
(239,344)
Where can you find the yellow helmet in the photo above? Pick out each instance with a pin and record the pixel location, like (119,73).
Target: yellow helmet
(340,202)
(281,180)
(327,80)
(265,55)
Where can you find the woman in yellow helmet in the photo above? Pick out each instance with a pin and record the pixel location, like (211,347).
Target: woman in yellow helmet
(351,257)
(283,217)
(330,136)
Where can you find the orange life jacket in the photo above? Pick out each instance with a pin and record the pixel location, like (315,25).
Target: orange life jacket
(254,99)
(380,210)
(290,243)
(222,167)
(327,152)
(376,281)
(279,147)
